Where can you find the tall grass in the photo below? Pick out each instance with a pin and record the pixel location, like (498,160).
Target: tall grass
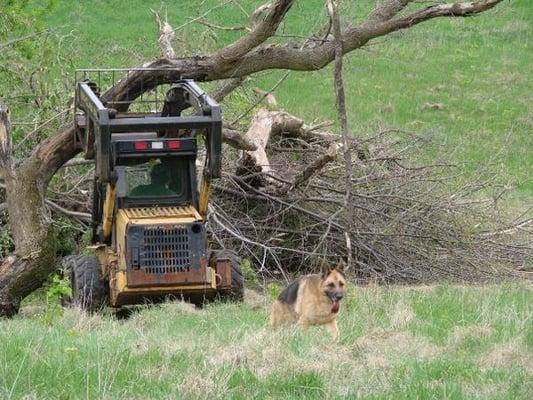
(396,342)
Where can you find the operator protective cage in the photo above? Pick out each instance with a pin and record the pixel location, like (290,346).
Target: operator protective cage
(115,137)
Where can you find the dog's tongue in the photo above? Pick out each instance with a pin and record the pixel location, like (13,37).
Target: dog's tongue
(335,307)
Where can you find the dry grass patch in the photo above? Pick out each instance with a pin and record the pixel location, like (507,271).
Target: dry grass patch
(180,307)
(402,314)
(157,373)
(255,300)
(82,321)
(460,333)
(202,384)
(508,354)
(141,345)
(392,344)
(516,26)
(260,350)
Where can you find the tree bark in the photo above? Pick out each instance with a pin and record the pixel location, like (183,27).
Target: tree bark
(29,223)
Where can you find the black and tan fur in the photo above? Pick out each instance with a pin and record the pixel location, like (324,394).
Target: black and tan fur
(311,300)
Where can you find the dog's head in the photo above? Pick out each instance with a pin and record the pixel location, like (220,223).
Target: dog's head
(333,285)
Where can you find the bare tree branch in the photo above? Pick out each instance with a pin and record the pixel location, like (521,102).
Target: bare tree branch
(192,20)
(313,168)
(76,214)
(237,140)
(263,97)
(166,36)
(260,33)
(386,9)
(209,24)
(343,119)
(6,147)
(77,161)
(244,57)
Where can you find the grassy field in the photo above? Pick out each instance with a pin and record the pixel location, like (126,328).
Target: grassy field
(467,84)
(440,342)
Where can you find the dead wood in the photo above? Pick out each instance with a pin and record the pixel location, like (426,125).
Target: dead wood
(263,126)
(237,140)
(343,119)
(166,36)
(317,165)
(405,223)
(226,87)
(29,223)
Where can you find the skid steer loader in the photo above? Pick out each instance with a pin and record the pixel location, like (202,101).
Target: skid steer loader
(148,216)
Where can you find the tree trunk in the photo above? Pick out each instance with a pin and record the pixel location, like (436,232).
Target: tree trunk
(29,223)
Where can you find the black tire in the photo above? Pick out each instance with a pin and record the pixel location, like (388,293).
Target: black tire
(89,291)
(236,293)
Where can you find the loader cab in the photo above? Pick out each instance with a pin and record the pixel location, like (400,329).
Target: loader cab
(164,176)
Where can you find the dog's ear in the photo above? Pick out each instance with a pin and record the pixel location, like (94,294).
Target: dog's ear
(325,269)
(342,267)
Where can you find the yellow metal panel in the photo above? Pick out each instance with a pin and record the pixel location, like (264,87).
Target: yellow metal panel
(203,201)
(109,206)
(121,285)
(150,216)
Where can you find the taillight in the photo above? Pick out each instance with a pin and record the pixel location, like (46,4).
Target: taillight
(141,145)
(173,144)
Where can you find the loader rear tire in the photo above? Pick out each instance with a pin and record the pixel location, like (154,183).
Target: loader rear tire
(89,291)
(236,293)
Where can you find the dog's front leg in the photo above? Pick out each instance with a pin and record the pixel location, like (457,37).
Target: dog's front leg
(333,329)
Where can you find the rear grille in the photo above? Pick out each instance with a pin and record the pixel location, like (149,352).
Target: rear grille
(165,250)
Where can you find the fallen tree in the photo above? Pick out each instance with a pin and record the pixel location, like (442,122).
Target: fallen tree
(405,224)
(26,181)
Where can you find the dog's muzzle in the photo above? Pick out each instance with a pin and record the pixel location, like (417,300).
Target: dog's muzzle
(335,297)
(338,296)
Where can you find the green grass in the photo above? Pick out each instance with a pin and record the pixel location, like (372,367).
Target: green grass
(396,343)
(465,83)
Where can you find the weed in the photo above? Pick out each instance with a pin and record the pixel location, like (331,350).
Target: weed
(273,290)
(250,276)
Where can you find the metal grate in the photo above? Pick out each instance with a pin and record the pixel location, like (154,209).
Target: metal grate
(165,250)
(148,101)
(151,212)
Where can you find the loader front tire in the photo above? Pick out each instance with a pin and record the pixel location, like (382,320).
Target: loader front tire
(89,291)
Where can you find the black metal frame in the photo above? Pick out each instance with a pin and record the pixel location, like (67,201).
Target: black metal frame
(96,125)
(100,122)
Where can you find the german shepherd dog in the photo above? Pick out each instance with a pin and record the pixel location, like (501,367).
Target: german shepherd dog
(311,300)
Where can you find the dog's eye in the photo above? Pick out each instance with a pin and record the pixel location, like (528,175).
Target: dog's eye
(331,285)
(341,284)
